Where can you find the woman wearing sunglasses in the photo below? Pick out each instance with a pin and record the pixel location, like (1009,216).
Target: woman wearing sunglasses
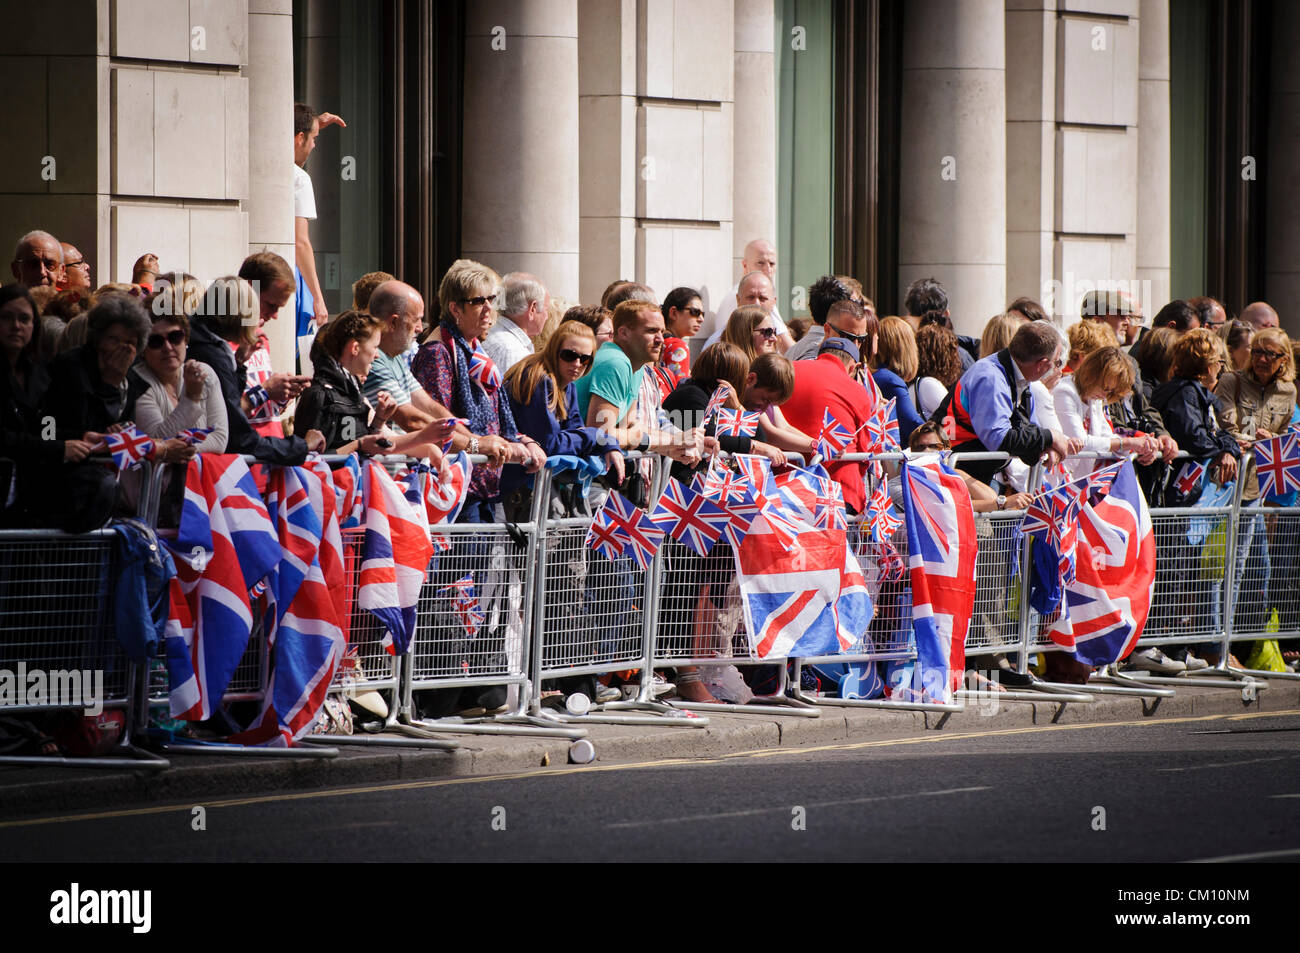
(176,394)
(544,401)
(750,329)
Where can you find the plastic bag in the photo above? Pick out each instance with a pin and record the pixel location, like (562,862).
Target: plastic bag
(725,683)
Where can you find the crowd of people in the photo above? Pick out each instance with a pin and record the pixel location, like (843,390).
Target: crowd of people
(507,371)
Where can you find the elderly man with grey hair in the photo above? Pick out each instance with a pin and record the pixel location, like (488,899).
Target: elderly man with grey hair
(523,306)
(757,289)
(38,259)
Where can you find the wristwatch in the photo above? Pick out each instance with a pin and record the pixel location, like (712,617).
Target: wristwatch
(1002,502)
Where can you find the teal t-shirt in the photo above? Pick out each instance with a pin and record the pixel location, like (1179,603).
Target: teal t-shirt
(611,377)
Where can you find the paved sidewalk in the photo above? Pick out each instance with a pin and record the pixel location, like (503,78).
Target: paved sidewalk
(28,791)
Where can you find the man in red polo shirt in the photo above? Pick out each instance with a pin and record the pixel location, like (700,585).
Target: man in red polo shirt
(827,384)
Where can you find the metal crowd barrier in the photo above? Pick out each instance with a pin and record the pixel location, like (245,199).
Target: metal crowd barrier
(57,623)
(594,616)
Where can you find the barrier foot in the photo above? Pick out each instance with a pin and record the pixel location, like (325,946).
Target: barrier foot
(1234,675)
(759,705)
(517,724)
(884,703)
(1259,673)
(415,740)
(1118,684)
(1047,694)
(673,718)
(141,759)
(221,749)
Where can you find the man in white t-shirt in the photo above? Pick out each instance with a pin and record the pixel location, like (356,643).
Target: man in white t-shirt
(306,126)
(759,255)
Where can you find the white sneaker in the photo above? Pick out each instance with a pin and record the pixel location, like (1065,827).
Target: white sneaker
(1153,660)
(1195,664)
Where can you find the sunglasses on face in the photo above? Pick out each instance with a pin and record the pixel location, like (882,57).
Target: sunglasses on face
(571,356)
(1268,355)
(174,338)
(479,301)
(694,312)
(858,339)
(768,333)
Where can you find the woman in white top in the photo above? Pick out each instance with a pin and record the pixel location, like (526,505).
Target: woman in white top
(179,394)
(1103,377)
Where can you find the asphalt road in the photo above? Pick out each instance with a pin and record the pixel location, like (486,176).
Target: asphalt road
(1174,790)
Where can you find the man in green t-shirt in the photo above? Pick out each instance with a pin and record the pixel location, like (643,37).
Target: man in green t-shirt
(607,393)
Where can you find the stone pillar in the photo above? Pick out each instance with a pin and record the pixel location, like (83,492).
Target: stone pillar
(520,174)
(270,150)
(1031,146)
(607,167)
(1154,230)
(754,168)
(952,201)
(1280,172)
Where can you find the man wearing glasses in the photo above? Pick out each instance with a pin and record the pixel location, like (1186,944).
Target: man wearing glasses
(76,270)
(992,406)
(38,259)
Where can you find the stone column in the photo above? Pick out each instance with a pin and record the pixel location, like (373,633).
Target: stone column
(754,115)
(1280,173)
(1154,231)
(270,150)
(520,153)
(1031,146)
(953,198)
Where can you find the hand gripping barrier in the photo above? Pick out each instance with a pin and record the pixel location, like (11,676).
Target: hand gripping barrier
(58,643)
(593,616)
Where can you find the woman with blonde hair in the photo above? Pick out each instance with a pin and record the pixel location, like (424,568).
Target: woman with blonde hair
(749,329)
(999,331)
(544,402)
(1103,377)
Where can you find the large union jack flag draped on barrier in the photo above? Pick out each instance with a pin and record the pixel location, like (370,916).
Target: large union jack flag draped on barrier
(1277,461)
(225,545)
(304,629)
(1106,605)
(807,600)
(941,548)
(394,557)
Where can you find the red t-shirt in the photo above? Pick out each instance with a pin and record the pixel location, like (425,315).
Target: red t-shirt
(677,355)
(823,385)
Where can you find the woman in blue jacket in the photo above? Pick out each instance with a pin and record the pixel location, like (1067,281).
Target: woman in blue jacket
(896,365)
(544,402)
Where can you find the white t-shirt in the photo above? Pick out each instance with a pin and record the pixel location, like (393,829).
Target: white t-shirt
(304,196)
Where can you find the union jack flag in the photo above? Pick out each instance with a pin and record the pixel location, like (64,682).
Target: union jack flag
(394,558)
(641,536)
(834,437)
(464,602)
(225,545)
(1052,518)
(604,536)
(891,424)
(1277,460)
(736,423)
(1190,477)
(129,447)
(304,630)
(879,516)
(688,516)
(882,428)
(1105,607)
(483,370)
(942,548)
(717,401)
(194,436)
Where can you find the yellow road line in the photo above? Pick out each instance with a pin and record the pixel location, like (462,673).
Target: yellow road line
(637,765)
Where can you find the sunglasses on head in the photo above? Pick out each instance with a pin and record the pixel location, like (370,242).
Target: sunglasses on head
(174,338)
(569,355)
